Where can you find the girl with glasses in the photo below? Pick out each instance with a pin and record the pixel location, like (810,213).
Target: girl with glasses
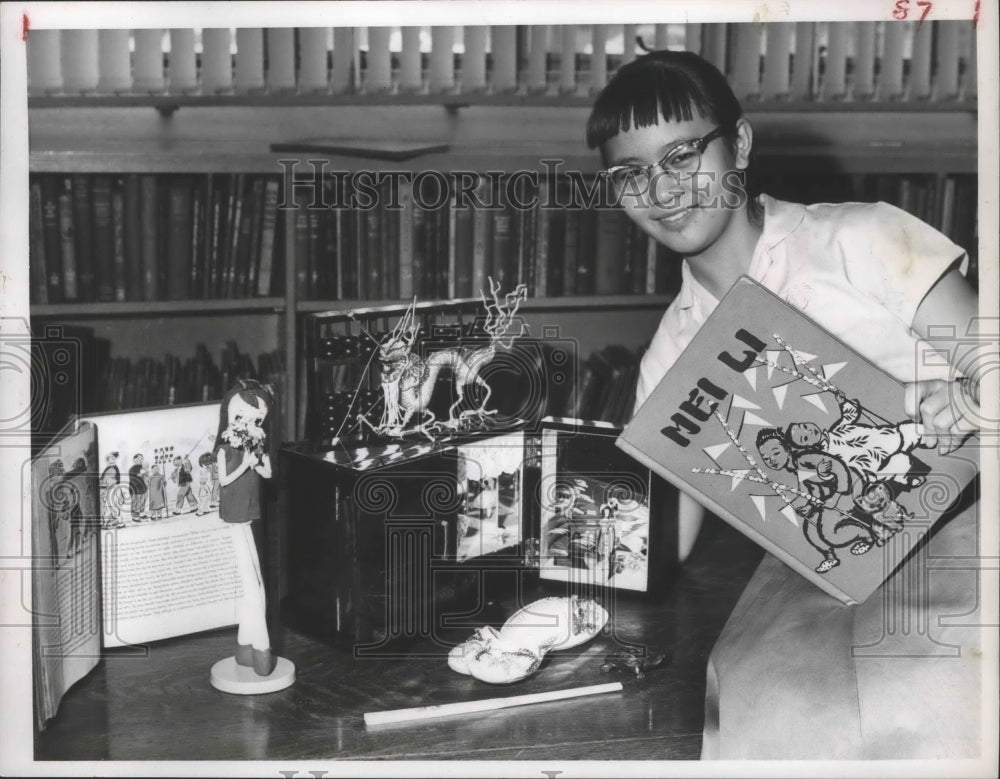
(785,679)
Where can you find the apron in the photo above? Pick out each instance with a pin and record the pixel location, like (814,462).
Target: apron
(796,674)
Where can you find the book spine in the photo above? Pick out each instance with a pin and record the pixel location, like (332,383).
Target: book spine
(359,244)
(430,265)
(302,244)
(83,222)
(213,250)
(346,285)
(248,283)
(637,258)
(610,245)
(36,247)
(406,240)
(571,255)
(651,268)
(373,259)
(198,196)
(524,236)
(743,527)
(542,222)
(528,242)
(178,239)
(587,243)
(149,212)
(390,245)
(133,236)
(331,257)
(227,188)
(502,246)
(239,265)
(420,217)
(118,243)
(269,223)
(235,236)
(446,284)
(452,249)
(556,248)
(441,252)
(51,238)
(481,241)
(66,236)
(162,230)
(103,237)
(314,273)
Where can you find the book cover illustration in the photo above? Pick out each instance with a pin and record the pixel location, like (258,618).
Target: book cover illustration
(65,581)
(594,509)
(490,478)
(799,442)
(167,557)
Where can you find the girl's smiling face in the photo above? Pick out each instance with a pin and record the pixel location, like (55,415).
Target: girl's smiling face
(687,216)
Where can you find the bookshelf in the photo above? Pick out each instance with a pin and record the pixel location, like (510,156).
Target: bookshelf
(822,126)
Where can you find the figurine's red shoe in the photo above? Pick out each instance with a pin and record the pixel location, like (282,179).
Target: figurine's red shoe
(263,662)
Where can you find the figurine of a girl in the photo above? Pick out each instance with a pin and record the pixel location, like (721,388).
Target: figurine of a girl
(243,461)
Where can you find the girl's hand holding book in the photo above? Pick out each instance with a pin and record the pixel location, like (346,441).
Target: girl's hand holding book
(947,410)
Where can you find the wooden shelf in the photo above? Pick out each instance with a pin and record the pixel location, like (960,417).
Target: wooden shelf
(582,303)
(277,305)
(157,308)
(238,138)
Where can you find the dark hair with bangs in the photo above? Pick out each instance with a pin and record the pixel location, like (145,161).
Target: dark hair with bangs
(673,86)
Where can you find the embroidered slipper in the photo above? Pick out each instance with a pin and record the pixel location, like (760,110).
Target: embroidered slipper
(459,656)
(503,663)
(517,649)
(555,623)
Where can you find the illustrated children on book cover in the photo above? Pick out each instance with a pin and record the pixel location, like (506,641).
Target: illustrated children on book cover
(164,566)
(799,442)
(159,483)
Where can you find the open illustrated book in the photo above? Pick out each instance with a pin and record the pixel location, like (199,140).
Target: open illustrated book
(127,540)
(799,442)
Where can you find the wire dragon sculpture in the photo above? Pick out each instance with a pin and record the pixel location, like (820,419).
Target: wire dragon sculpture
(408,379)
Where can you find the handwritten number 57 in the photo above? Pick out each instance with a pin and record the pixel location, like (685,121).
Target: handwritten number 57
(902,9)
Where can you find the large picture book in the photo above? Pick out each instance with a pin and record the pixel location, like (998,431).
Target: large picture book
(127,541)
(65,581)
(167,559)
(799,442)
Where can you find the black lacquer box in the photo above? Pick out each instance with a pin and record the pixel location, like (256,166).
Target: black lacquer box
(413,539)
(396,541)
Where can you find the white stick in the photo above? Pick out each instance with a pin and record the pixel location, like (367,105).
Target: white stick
(489,704)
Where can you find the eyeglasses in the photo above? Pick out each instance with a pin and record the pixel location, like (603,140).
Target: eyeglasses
(681,161)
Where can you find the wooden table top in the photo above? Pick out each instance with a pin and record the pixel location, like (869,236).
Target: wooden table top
(156,703)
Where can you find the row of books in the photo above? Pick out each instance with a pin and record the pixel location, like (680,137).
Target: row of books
(145,237)
(175,237)
(409,249)
(174,380)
